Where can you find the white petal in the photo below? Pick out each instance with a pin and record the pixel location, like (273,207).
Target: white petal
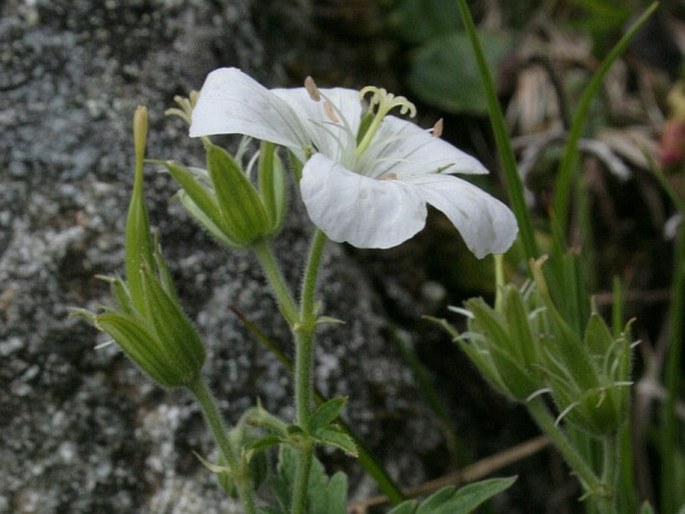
(485,223)
(403,148)
(364,212)
(231,102)
(332,130)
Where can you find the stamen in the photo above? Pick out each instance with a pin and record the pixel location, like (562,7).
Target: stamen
(388,176)
(329,110)
(437,128)
(311,88)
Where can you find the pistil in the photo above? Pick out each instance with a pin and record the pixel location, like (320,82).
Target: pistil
(383,102)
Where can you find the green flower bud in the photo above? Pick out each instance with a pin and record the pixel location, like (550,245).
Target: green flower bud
(172,363)
(138,243)
(602,408)
(589,378)
(224,201)
(148,322)
(502,345)
(272,185)
(241,206)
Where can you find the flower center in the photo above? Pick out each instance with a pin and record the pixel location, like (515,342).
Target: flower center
(383,102)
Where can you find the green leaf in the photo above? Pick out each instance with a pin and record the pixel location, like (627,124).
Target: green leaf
(406,507)
(325,495)
(326,413)
(419,20)
(264,442)
(333,436)
(471,496)
(450,500)
(337,494)
(444,72)
(505,150)
(295,430)
(436,500)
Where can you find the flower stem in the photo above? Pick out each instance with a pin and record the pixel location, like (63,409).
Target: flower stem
(366,458)
(304,359)
(540,413)
(304,362)
(607,503)
(311,274)
(300,486)
(274,276)
(216,423)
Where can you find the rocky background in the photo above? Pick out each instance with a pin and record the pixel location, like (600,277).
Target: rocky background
(82,431)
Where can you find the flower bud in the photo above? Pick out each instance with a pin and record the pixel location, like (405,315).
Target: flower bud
(171,362)
(224,201)
(602,406)
(523,346)
(502,342)
(148,322)
(138,243)
(589,377)
(272,185)
(240,205)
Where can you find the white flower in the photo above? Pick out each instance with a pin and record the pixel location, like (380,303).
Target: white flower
(368,176)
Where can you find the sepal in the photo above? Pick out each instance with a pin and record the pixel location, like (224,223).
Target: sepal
(242,209)
(272,185)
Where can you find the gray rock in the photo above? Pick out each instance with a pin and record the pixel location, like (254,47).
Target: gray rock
(82,430)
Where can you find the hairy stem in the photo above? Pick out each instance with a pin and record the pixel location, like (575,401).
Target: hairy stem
(540,413)
(216,423)
(274,276)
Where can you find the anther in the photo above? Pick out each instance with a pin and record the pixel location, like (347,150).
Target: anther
(330,112)
(311,88)
(437,128)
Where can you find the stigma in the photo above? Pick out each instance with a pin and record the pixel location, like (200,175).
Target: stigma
(385,102)
(382,103)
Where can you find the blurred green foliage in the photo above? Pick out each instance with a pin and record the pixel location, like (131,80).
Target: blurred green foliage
(443,71)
